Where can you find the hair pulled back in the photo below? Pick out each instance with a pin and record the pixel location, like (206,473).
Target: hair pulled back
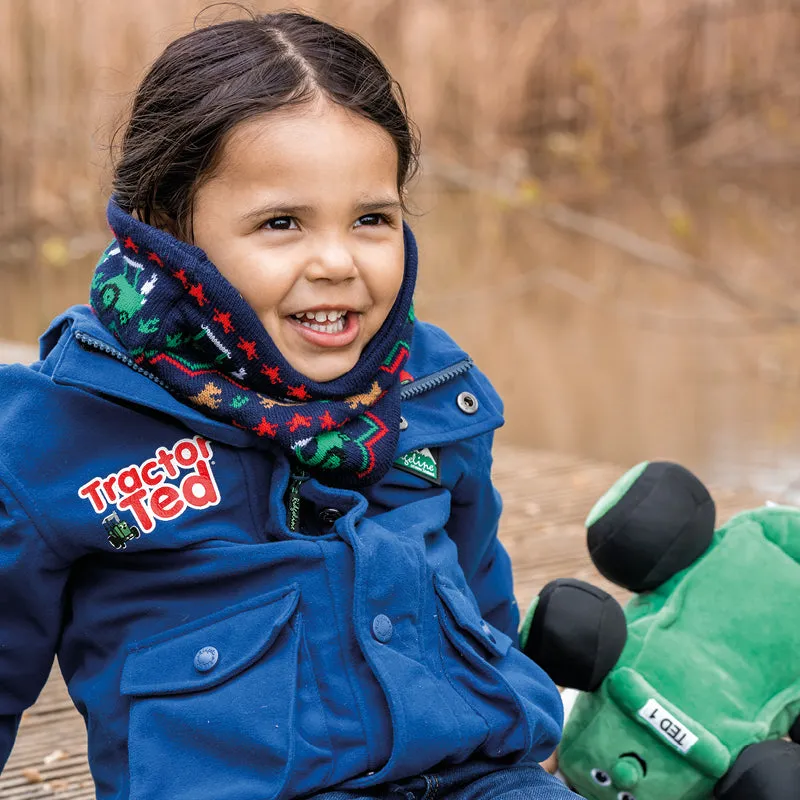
(215,77)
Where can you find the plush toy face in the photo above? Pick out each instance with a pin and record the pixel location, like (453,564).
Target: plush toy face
(606,755)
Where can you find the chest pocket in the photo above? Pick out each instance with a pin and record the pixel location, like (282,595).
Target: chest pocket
(227,707)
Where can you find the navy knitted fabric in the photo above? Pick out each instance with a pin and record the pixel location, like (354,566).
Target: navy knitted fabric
(179,318)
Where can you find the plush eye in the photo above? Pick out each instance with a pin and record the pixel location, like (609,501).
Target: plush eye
(625,796)
(600,777)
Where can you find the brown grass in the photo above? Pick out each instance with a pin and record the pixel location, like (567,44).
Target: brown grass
(575,94)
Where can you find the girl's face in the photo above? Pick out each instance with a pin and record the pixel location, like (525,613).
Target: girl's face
(303,217)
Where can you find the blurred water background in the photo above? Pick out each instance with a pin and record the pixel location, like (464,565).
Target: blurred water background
(607,212)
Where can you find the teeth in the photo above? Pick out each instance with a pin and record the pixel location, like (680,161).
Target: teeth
(333,326)
(320,316)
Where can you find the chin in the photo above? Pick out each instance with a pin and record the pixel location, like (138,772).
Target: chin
(320,374)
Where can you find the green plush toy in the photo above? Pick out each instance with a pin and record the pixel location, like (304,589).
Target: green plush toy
(689,693)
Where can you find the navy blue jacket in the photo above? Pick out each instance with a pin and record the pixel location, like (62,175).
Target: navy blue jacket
(213,652)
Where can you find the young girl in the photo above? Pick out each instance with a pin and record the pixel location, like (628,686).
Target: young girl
(244,496)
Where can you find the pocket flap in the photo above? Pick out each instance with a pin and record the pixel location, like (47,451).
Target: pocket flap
(232,640)
(467,616)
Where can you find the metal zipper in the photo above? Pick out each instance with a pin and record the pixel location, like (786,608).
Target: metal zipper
(408,391)
(436,379)
(102,347)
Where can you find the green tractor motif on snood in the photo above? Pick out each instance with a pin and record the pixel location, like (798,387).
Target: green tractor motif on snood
(693,692)
(123,293)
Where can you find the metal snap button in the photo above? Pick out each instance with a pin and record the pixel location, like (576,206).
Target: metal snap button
(467,402)
(382,628)
(329,515)
(488,631)
(403,423)
(206,659)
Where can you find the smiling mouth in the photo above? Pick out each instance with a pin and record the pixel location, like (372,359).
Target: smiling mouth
(327,327)
(333,321)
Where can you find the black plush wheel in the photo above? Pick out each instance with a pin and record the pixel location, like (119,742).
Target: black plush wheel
(763,771)
(654,522)
(794,731)
(575,633)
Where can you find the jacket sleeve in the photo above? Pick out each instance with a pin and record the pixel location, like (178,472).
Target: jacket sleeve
(473,524)
(32,581)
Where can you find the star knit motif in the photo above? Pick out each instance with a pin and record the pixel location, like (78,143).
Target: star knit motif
(197,293)
(224,319)
(272,373)
(298,392)
(249,349)
(327,422)
(181,320)
(265,428)
(299,421)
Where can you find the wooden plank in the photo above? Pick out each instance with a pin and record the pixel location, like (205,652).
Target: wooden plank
(546,499)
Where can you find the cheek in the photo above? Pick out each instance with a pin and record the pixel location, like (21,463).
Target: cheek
(261,285)
(390,279)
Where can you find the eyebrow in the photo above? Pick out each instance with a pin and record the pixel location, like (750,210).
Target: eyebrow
(366,206)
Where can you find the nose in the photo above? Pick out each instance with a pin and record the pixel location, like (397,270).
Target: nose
(331,260)
(627,772)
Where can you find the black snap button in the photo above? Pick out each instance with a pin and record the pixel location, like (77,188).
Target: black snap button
(329,515)
(467,402)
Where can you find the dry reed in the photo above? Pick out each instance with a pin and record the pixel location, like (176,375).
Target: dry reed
(572,93)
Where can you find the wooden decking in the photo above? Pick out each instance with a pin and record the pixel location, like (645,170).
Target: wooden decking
(547,497)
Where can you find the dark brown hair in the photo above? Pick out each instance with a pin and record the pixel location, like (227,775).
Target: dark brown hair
(215,77)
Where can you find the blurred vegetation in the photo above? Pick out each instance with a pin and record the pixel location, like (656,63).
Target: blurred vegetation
(609,188)
(567,100)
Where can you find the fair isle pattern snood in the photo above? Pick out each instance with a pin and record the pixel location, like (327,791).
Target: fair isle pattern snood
(182,321)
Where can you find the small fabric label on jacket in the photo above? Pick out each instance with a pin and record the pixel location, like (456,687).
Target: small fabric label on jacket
(159,489)
(424,463)
(667,726)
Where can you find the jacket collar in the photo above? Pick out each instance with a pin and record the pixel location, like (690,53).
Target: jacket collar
(77,350)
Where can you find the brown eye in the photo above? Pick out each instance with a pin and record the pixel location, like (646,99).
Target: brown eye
(601,778)
(371,220)
(280,223)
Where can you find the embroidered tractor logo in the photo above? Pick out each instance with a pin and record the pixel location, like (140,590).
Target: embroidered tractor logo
(119,531)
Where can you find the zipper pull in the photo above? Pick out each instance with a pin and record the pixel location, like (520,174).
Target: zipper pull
(293,501)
